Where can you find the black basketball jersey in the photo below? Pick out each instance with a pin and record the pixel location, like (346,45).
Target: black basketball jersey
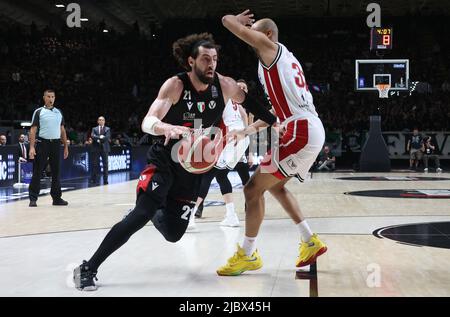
(207,105)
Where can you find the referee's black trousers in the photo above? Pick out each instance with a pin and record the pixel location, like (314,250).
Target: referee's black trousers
(46,150)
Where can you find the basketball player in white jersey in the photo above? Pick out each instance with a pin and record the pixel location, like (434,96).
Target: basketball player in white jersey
(234,117)
(284,82)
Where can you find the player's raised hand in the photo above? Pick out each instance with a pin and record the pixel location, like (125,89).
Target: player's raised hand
(246,18)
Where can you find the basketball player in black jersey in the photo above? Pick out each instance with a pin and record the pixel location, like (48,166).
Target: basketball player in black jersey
(166,192)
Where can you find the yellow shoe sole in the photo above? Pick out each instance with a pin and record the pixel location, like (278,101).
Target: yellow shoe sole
(238,272)
(313,258)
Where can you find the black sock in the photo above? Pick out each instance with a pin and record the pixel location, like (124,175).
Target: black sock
(119,234)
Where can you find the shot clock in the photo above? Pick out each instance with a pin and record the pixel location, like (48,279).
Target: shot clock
(381,39)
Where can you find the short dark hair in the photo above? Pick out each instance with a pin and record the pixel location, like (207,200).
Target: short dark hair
(189,46)
(49,91)
(242,81)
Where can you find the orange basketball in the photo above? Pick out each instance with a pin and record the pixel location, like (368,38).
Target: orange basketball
(198,153)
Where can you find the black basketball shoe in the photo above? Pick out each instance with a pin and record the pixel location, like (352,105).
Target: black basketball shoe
(83,278)
(60,202)
(199,212)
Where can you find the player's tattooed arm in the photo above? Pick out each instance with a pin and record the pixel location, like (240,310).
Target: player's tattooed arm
(168,95)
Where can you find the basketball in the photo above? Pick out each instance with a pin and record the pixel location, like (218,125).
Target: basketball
(198,154)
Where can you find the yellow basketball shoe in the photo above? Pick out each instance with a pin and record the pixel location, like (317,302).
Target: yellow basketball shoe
(310,251)
(239,263)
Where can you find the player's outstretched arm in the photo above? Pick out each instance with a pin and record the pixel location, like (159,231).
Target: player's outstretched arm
(232,91)
(167,96)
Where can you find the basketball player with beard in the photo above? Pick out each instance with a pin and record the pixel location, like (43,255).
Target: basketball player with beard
(166,192)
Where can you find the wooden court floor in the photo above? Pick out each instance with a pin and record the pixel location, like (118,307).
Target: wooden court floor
(40,246)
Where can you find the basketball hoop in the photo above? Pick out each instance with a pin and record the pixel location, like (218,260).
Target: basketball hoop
(383,90)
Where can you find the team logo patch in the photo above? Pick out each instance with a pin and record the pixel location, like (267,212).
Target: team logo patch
(145,178)
(188,116)
(291,164)
(189,104)
(201,106)
(214,92)
(212,104)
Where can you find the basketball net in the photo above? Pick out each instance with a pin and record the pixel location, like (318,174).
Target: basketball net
(383,90)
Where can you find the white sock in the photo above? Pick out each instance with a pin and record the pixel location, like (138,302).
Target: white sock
(305,231)
(249,245)
(230,209)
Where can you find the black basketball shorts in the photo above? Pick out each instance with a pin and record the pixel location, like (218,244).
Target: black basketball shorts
(174,188)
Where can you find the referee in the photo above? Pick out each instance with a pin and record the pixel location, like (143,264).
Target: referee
(46,133)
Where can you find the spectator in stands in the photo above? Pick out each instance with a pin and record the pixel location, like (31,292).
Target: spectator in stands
(108,79)
(327,160)
(22,149)
(414,147)
(2,140)
(121,140)
(116,142)
(88,141)
(429,149)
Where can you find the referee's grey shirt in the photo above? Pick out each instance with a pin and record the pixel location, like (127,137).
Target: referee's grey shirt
(48,122)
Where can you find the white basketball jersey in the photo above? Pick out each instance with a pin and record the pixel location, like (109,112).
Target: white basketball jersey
(285,84)
(232,117)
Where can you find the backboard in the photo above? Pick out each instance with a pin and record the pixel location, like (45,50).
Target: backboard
(371,72)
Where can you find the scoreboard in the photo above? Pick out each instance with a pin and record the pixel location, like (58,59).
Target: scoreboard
(381,39)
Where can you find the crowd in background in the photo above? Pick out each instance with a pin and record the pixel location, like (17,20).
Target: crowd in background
(118,75)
